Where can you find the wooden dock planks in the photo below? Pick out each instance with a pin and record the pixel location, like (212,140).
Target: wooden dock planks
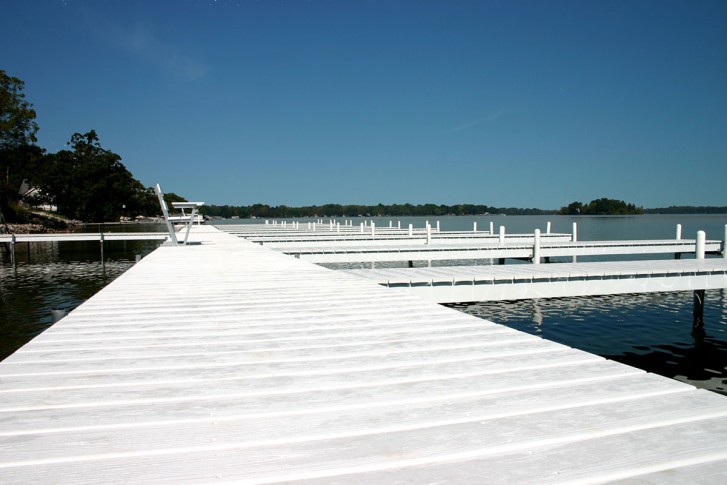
(229,362)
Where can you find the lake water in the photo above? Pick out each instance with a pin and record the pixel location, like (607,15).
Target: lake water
(652,332)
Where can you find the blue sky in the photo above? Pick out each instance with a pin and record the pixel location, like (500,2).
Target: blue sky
(504,103)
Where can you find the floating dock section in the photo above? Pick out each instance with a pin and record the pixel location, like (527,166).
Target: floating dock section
(228,362)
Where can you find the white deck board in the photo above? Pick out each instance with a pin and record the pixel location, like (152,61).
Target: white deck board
(227,361)
(526,281)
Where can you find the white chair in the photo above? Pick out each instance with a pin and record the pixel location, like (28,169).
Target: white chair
(187,219)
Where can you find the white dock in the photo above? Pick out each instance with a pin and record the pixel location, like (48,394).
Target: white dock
(374,252)
(528,281)
(83,236)
(229,362)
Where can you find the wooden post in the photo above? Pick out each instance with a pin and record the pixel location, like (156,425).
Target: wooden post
(103,261)
(12,248)
(678,237)
(536,247)
(699,249)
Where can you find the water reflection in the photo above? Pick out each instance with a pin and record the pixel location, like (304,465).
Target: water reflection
(653,332)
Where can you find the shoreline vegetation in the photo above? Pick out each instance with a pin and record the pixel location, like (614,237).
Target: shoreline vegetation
(601,206)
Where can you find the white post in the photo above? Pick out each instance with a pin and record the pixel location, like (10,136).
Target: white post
(362,228)
(492,227)
(474,227)
(437,226)
(536,247)
(267,222)
(314,226)
(398,224)
(429,234)
(574,236)
(330,225)
(679,232)
(699,252)
(547,228)
(411,230)
(502,235)
(338,227)
(724,243)
(391,224)
(373,228)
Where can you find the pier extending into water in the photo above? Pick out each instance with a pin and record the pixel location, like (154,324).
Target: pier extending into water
(226,361)
(9,242)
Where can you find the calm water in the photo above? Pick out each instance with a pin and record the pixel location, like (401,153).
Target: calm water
(652,332)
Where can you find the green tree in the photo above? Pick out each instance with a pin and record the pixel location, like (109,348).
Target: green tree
(574,208)
(90,183)
(18,152)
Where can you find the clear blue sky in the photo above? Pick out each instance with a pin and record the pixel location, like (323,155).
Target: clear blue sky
(504,103)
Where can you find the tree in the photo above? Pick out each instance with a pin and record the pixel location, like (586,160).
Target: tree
(574,208)
(18,152)
(89,183)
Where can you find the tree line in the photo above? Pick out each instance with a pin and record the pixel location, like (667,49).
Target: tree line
(338,210)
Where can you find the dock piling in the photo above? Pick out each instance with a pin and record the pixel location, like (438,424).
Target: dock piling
(536,247)
(103,260)
(502,235)
(679,232)
(699,250)
(698,310)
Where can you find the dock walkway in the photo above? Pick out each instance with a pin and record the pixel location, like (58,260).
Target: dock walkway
(84,236)
(229,362)
(373,252)
(452,284)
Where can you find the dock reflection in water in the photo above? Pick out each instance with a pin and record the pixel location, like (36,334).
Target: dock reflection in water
(650,331)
